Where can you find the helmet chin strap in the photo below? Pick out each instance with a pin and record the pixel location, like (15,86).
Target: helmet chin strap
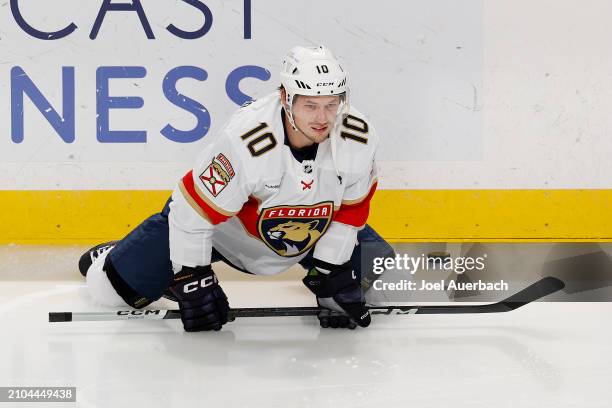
(289,110)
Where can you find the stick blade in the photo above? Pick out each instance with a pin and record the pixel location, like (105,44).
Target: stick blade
(542,288)
(538,290)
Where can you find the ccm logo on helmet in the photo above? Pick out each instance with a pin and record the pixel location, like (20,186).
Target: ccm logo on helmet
(193,286)
(325,83)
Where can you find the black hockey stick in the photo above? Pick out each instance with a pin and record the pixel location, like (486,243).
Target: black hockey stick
(538,290)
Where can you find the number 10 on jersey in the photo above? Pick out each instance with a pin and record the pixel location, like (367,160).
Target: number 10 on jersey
(259,142)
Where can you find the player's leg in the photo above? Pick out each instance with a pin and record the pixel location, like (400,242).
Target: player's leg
(370,245)
(135,270)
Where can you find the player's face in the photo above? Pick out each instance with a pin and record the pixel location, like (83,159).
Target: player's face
(314,116)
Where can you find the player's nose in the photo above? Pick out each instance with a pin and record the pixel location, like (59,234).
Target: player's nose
(320,116)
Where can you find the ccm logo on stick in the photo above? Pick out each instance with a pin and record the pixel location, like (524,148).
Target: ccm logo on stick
(137,312)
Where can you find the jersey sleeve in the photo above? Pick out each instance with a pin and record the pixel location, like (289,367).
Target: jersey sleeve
(211,192)
(357,147)
(218,185)
(337,244)
(190,235)
(355,206)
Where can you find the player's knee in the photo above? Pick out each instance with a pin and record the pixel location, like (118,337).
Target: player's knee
(123,289)
(107,287)
(100,288)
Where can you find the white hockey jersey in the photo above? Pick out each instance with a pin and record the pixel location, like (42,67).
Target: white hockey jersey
(263,209)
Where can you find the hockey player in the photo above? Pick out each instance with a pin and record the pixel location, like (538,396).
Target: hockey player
(288,179)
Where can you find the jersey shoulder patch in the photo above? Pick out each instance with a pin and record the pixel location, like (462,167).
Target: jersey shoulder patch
(217,175)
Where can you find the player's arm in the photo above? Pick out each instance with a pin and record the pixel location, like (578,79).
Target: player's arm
(202,302)
(210,193)
(333,279)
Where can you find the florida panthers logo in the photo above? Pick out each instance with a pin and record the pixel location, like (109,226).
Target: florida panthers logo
(293,230)
(292,233)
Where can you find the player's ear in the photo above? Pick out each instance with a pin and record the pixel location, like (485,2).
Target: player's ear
(313,224)
(283,96)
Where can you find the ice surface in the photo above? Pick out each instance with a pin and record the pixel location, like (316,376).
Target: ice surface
(544,355)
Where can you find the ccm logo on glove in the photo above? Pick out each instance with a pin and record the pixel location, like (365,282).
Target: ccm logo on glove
(193,286)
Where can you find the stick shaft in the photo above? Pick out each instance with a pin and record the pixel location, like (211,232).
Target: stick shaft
(538,290)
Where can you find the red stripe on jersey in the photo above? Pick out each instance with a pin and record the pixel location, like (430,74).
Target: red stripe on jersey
(249,215)
(355,214)
(214,216)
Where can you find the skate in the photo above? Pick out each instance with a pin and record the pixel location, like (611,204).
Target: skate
(92,254)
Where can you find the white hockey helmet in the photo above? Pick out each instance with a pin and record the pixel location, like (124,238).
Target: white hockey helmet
(313,71)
